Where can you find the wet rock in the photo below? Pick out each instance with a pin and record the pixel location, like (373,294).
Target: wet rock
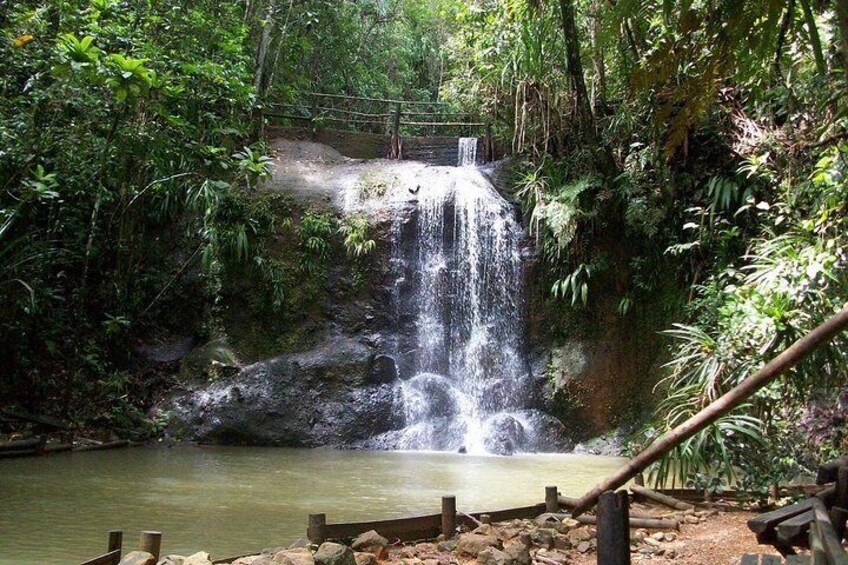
(504,435)
(334,554)
(370,542)
(473,544)
(138,558)
(383,370)
(323,396)
(363,558)
(199,558)
(517,552)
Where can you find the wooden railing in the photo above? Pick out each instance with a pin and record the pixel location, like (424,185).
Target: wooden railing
(377,115)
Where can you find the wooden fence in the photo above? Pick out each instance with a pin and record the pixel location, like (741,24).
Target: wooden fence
(378,115)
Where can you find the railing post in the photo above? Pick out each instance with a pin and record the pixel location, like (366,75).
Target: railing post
(449,516)
(551,499)
(838,512)
(316,531)
(314,116)
(151,542)
(116,538)
(613,529)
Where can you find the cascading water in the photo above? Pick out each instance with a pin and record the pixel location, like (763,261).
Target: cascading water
(467,151)
(457,261)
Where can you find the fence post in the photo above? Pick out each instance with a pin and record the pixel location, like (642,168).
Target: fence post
(613,529)
(151,542)
(839,511)
(116,539)
(551,499)
(316,531)
(313,117)
(449,516)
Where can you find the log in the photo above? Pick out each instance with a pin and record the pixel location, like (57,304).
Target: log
(22,444)
(57,447)
(790,531)
(18,453)
(727,402)
(107,445)
(661,498)
(827,472)
(765,523)
(636,523)
(613,532)
(567,501)
(830,543)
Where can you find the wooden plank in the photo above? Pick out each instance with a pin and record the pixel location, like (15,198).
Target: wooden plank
(768,521)
(831,544)
(405,529)
(381,100)
(817,555)
(790,530)
(513,513)
(827,472)
(111,558)
(661,498)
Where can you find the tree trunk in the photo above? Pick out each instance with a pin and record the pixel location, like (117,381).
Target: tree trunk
(600,87)
(264,44)
(842,17)
(727,402)
(815,39)
(585,123)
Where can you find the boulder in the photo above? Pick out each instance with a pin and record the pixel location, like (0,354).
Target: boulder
(301,542)
(578,535)
(370,542)
(199,558)
(334,554)
(364,558)
(473,544)
(172,560)
(249,560)
(517,552)
(297,556)
(543,537)
(492,556)
(138,558)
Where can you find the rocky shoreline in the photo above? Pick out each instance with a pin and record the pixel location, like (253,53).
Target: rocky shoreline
(549,539)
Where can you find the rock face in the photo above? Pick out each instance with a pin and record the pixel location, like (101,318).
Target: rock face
(341,370)
(335,394)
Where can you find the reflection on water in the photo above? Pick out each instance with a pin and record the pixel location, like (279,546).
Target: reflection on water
(58,509)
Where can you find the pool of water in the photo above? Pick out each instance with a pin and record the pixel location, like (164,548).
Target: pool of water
(227,501)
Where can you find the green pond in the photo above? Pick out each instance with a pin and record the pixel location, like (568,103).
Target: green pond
(228,501)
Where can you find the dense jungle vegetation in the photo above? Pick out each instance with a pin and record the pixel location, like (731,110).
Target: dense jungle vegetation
(708,137)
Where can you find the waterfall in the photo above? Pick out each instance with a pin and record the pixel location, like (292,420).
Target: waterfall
(460,287)
(467,151)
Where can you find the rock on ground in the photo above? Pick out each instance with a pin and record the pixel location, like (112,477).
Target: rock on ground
(334,554)
(138,558)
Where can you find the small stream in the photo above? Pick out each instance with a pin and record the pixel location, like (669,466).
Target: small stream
(230,500)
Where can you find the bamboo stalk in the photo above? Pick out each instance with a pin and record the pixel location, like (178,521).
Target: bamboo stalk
(730,400)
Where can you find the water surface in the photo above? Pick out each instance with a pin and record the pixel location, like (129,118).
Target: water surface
(59,508)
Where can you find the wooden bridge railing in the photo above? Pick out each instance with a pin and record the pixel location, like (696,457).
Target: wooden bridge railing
(378,115)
